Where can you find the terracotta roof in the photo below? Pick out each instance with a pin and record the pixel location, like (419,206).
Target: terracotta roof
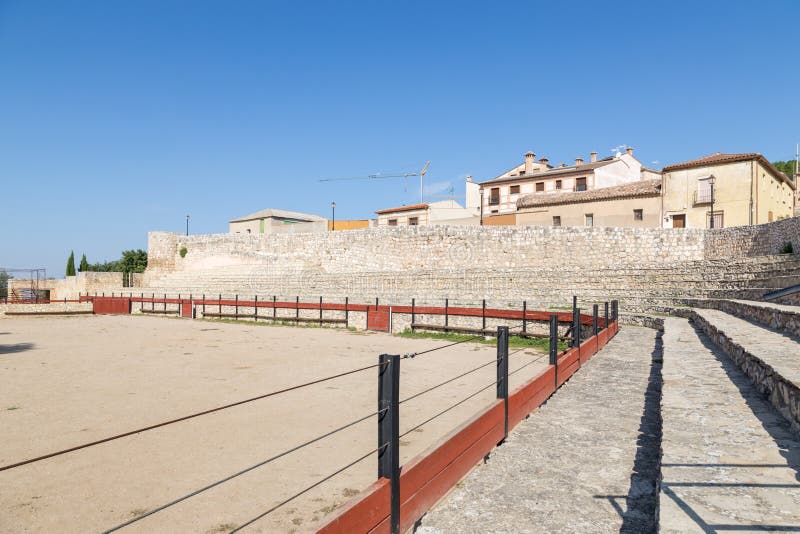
(644,188)
(556,171)
(410,207)
(720,159)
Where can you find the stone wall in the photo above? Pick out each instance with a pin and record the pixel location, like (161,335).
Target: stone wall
(758,240)
(464,247)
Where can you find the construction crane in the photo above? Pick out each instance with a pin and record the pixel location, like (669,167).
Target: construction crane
(381,176)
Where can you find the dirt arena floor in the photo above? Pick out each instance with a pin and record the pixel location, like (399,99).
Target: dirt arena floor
(67,381)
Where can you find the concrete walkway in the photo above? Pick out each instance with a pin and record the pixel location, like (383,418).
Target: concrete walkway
(587,461)
(730,461)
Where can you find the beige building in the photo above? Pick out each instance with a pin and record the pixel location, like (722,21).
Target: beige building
(636,204)
(747,189)
(272,221)
(442,212)
(500,194)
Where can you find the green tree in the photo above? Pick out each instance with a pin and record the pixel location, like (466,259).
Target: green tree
(786,167)
(71,264)
(4,278)
(132,261)
(84,266)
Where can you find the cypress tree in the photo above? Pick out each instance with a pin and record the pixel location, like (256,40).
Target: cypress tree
(71,264)
(84,266)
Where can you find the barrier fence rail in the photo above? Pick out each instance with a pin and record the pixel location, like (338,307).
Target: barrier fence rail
(378,316)
(400,497)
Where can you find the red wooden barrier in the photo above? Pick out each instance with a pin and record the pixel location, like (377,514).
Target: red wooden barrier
(428,477)
(111,305)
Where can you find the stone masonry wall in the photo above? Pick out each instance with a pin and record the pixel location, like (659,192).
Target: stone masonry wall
(464,247)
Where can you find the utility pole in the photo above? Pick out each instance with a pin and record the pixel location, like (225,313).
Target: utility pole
(187,224)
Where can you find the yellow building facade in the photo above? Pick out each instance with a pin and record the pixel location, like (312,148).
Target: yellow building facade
(747,189)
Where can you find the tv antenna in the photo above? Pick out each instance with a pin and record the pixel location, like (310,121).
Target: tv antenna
(380,176)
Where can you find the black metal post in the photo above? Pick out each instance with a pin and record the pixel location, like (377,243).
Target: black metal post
(554,344)
(446,307)
(255,308)
(165,302)
(413,313)
(524,316)
(595,324)
(297,308)
(502,372)
(346,313)
(483,316)
(219,303)
(389,430)
(576,327)
(606,316)
(320,311)
(274,307)
(236,307)
(204,304)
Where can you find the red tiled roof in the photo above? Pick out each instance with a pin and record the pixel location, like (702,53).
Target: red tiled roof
(720,159)
(644,188)
(410,207)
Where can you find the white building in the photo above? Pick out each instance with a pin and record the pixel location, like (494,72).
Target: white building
(441,212)
(500,194)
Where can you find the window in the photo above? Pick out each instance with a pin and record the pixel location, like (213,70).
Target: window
(539,187)
(638,215)
(589,218)
(514,189)
(556,220)
(392,222)
(558,184)
(494,196)
(718,219)
(495,211)
(580,184)
(413,221)
(703,193)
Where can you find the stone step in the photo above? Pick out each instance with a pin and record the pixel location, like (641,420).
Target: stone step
(781,317)
(730,461)
(769,357)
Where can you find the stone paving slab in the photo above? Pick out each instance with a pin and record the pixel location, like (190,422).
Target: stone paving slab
(777,350)
(730,461)
(586,461)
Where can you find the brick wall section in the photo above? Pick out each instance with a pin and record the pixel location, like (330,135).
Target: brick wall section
(760,240)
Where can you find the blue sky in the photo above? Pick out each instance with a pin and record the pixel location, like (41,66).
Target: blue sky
(117,118)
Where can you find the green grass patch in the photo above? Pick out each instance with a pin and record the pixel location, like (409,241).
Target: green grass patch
(515,342)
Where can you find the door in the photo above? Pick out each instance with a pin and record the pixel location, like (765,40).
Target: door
(679,221)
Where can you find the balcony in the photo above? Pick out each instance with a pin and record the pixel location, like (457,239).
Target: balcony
(702,196)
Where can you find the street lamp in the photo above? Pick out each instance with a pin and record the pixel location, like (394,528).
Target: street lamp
(187,224)
(711,184)
(333,216)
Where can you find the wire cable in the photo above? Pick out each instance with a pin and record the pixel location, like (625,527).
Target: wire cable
(184,418)
(309,488)
(471,338)
(462,401)
(242,472)
(520,368)
(414,396)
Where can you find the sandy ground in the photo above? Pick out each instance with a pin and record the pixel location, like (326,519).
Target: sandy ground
(66,381)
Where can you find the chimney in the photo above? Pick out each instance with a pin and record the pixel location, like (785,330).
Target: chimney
(544,162)
(469,179)
(629,151)
(578,161)
(562,165)
(529,158)
(593,156)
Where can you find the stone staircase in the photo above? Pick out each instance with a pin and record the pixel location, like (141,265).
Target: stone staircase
(642,289)
(730,461)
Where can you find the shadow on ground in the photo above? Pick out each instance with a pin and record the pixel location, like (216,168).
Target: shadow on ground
(16,347)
